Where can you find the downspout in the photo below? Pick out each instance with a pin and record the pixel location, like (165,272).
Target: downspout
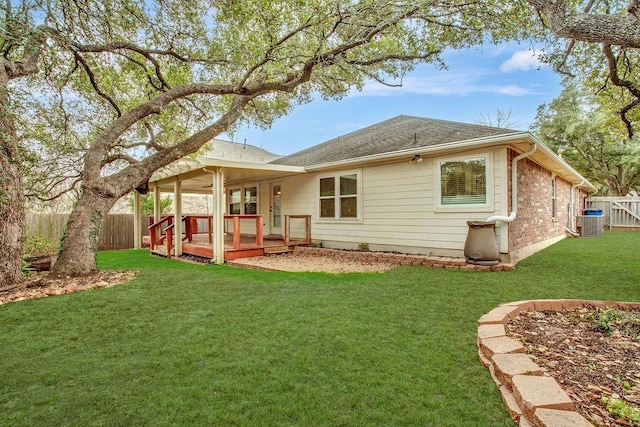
(572,210)
(514,187)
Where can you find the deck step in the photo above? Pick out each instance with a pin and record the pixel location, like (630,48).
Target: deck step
(270,250)
(160,250)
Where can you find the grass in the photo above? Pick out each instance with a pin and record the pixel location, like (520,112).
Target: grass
(215,345)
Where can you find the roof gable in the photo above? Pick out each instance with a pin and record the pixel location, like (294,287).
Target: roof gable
(234,151)
(396,134)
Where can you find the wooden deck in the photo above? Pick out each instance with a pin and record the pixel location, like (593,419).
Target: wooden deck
(197,240)
(200,247)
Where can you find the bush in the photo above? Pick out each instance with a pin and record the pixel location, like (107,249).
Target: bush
(36,244)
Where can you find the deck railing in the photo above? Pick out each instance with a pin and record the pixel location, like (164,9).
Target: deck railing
(297,227)
(156,233)
(237,231)
(297,230)
(191,227)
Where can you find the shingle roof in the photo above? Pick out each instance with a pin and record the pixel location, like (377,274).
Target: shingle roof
(396,134)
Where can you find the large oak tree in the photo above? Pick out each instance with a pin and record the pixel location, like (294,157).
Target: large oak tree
(130,86)
(141,84)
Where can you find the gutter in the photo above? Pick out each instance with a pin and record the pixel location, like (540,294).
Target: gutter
(489,140)
(514,187)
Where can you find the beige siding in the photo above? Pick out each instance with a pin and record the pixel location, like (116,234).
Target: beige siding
(398,209)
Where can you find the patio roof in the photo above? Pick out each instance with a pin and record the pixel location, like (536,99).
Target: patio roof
(196,174)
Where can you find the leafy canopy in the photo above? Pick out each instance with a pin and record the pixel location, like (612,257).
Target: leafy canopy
(586,130)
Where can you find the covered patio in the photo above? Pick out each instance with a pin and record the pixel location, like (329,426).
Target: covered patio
(236,227)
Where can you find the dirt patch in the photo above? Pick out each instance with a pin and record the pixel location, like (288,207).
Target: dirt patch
(41,285)
(594,360)
(300,262)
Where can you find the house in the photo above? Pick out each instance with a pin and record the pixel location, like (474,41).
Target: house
(407,184)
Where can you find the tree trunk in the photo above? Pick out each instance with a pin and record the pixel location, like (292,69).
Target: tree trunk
(12,216)
(81,237)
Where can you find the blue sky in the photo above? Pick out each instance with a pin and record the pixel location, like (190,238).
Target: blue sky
(477,82)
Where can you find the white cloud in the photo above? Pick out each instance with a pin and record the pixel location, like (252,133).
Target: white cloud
(514,90)
(445,84)
(522,60)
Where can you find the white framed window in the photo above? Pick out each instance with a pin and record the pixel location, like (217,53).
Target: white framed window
(243,200)
(235,201)
(251,200)
(463,182)
(339,196)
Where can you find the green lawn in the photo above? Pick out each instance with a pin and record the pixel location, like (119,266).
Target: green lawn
(214,345)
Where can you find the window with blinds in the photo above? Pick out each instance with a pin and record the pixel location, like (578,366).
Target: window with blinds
(463,181)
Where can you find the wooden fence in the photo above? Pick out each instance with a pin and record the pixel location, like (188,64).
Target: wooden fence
(116,232)
(620,213)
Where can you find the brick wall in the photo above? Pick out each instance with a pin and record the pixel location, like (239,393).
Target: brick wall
(535,222)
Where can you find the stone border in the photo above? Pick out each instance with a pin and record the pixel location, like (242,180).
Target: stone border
(403,259)
(532,398)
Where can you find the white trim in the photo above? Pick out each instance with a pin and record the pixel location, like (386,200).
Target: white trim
(188,165)
(243,188)
(336,197)
(571,176)
(477,142)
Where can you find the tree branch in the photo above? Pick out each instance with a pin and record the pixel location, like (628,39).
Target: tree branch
(616,29)
(136,174)
(94,83)
(146,52)
(626,84)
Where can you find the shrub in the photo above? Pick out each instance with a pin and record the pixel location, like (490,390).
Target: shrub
(37,244)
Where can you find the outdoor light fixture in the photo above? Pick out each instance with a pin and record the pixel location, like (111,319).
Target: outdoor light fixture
(417,159)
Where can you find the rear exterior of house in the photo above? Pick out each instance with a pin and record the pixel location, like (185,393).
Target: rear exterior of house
(420,200)
(399,206)
(409,185)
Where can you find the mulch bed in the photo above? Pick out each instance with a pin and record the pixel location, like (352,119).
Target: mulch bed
(41,285)
(592,359)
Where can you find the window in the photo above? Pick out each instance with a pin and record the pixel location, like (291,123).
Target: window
(554,205)
(339,196)
(463,182)
(243,201)
(251,200)
(235,202)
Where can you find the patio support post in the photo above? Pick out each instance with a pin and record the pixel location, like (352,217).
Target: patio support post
(137,221)
(218,216)
(156,204)
(177,212)
(156,211)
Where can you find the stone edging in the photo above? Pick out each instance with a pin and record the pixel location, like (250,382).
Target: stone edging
(532,398)
(403,259)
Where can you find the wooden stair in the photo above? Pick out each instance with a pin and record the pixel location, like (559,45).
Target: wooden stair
(274,250)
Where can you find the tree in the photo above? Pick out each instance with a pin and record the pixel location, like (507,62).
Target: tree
(146,83)
(603,38)
(146,204)
(501,119)
(19,59)
(583,128)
